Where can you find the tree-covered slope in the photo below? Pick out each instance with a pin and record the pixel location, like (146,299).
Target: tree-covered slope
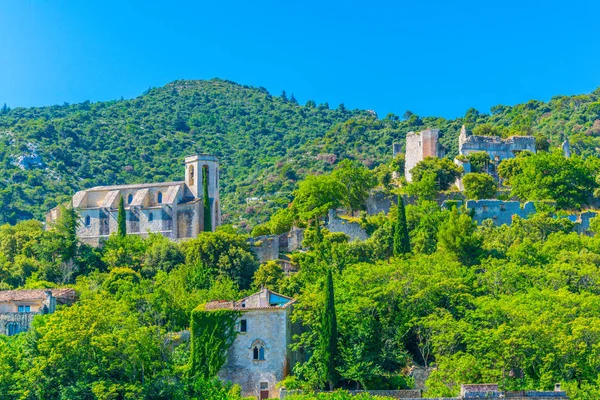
(265,143)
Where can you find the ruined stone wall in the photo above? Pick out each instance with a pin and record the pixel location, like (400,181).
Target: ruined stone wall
(378,202)
(23,319)
(352,229)
(420,145)
(295,238)
(265,247)
(268,326)
(499,211)
(495,146)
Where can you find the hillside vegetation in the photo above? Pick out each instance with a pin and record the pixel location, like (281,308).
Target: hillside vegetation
(265,143)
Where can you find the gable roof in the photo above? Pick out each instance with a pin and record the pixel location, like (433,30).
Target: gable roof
(264,300)
(62,295)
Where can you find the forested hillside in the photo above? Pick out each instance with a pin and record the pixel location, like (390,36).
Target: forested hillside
(265,143)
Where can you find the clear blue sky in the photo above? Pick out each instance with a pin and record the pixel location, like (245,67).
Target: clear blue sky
(431,57)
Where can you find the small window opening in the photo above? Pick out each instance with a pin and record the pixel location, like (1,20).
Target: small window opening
(243,304)
(24,308)
(258,353)
(191,175)
(129,198)
(150,217)
(159,198)
(87,220)
(243,326)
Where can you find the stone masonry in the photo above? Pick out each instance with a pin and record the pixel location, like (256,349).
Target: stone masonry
(498,148)
(419,146)
(260,356)
(173,209)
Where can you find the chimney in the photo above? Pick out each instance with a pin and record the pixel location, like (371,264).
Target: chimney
(557,387)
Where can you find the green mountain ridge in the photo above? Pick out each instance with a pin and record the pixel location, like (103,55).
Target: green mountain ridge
(265,143)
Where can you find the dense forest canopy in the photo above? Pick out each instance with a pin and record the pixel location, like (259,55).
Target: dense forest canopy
(265,143)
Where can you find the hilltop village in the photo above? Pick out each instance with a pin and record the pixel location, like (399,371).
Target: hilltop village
(256,340)
(399,257)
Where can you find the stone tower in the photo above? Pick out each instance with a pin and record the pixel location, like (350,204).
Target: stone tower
(194,166)
(420,145)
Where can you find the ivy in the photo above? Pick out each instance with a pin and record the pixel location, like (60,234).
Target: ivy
(213,332)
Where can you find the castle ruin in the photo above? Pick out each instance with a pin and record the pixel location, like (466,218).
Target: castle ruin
(420,145)
(499,149)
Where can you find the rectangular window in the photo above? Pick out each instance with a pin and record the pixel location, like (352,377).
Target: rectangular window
(24,308)
(243,326)
(264,385)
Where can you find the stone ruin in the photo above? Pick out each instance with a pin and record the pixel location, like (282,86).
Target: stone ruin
(499,149)
(420,145)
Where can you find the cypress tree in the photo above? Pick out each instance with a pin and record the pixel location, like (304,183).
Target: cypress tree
(121,223)
(207,214)
(401,240)
(329,334)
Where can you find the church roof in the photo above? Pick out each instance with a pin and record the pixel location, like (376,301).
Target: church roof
(134,186)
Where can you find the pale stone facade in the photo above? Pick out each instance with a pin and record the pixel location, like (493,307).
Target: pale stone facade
(18,307)
(419,146)
(260,356)
(173,209)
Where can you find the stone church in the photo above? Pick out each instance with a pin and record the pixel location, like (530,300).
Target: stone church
(173,209)
(260,356)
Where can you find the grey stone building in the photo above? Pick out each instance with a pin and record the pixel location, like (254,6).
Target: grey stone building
(499,149)
(173,209)
(420,145)
(18,307)
(260,356)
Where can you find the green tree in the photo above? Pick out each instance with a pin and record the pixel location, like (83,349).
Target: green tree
(401,239)
(269,275)
(551,176)
(316,195)
(329,334)
(206,202)
(479,186)
(479,161)
(121,219)
(458,236)
(358,181)
(445,171)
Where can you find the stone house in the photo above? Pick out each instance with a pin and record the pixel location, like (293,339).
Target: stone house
(173,209)
(18,307)
(260,356)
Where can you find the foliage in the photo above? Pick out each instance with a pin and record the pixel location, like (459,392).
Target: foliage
(479,161)
(445,171)
(316,195)
(329,334)
(479,186)
(358,181)
(268,275)
(550,176)
(401,239)
(212,333)
(121,222)
(207,214)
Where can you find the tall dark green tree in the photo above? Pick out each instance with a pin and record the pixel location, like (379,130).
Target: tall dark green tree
(329,336)
(121,222)
(401,239)
(207,214)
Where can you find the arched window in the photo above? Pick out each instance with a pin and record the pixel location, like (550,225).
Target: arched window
(191,175)
(150,217)
(129,198)
(87,220)
(258,350)
(159,198)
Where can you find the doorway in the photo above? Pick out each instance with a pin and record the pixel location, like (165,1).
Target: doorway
(264,390)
